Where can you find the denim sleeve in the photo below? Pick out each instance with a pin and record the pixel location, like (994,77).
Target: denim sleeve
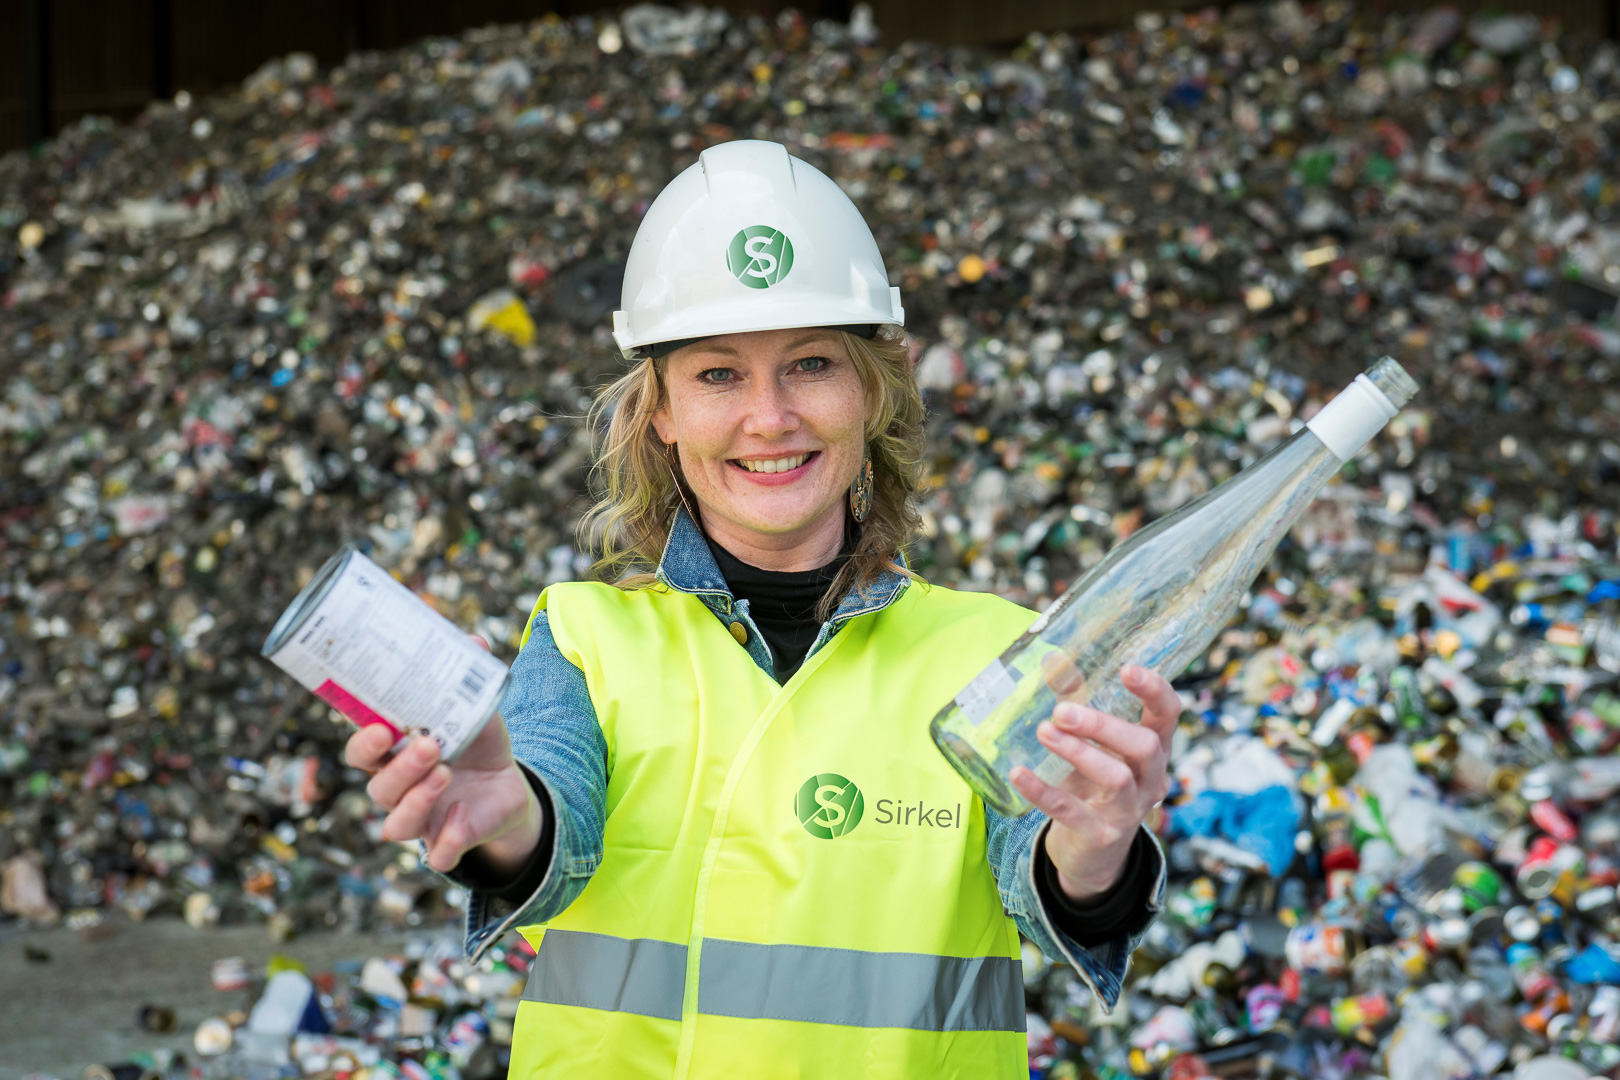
(1011,848)
(557,740)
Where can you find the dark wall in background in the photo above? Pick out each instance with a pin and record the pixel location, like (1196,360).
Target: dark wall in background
(112,56)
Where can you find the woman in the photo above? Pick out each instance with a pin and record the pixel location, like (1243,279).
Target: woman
(725,827)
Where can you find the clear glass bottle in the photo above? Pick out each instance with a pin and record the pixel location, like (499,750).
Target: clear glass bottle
(1156,600)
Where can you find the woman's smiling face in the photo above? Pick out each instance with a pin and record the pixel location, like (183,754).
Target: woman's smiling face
(770,430)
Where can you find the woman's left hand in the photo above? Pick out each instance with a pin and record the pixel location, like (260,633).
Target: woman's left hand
(1120,773)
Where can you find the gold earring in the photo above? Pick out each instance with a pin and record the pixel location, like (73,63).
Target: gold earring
(860,493)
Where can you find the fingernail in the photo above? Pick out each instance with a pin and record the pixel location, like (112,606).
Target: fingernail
(1133,674)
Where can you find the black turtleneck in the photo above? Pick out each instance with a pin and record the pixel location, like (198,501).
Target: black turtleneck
(782,602)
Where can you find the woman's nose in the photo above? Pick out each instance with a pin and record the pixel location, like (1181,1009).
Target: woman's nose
(770,410)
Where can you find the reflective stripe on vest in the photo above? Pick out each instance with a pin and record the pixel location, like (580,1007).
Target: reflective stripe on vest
(596,971)
(780,982)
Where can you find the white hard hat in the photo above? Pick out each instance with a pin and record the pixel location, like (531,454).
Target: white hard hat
(750,238)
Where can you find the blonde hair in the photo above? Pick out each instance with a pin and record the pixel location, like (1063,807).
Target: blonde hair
(633,481)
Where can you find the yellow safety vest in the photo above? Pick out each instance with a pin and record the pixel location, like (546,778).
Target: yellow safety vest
(794,883)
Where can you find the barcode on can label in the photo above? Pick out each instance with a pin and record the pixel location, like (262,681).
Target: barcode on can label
(988,689)
(472,685)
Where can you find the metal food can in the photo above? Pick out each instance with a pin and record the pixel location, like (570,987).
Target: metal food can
(374,651)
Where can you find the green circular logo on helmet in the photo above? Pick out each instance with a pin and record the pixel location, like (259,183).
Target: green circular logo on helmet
(760,256)
(828,805)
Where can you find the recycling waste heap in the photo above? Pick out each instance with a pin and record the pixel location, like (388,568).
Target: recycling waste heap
(371,302)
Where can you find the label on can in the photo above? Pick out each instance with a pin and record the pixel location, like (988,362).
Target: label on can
(378,654)
(988,689)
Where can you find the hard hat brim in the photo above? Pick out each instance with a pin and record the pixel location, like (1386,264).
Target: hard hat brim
(658,349)
(748,315)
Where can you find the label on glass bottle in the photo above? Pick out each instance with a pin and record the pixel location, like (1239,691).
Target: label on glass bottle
(988,689)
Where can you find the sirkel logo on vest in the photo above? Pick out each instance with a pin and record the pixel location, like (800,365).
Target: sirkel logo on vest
(830,806)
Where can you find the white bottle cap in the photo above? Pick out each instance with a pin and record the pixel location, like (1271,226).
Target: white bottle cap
(1346,423)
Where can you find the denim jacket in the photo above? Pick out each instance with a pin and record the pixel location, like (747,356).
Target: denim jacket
(556,738)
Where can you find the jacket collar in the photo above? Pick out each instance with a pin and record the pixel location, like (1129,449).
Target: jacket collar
(688,566)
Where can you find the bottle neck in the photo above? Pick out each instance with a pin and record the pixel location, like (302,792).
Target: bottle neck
(1274,491)
(1350,420)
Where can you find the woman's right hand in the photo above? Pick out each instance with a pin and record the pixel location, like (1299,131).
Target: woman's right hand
(483,802)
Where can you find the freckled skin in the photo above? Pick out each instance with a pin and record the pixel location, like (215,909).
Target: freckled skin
(767,394)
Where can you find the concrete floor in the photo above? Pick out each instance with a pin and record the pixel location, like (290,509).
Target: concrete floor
(78,1008)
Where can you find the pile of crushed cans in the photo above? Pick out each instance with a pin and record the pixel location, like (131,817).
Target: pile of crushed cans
(370,303)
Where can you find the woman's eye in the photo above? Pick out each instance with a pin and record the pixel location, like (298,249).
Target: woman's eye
(717,375)
(813,363)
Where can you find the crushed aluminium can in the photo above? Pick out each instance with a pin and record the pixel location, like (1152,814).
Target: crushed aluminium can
(374,651)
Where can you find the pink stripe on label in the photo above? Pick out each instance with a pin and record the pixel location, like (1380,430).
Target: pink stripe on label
(351,706)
